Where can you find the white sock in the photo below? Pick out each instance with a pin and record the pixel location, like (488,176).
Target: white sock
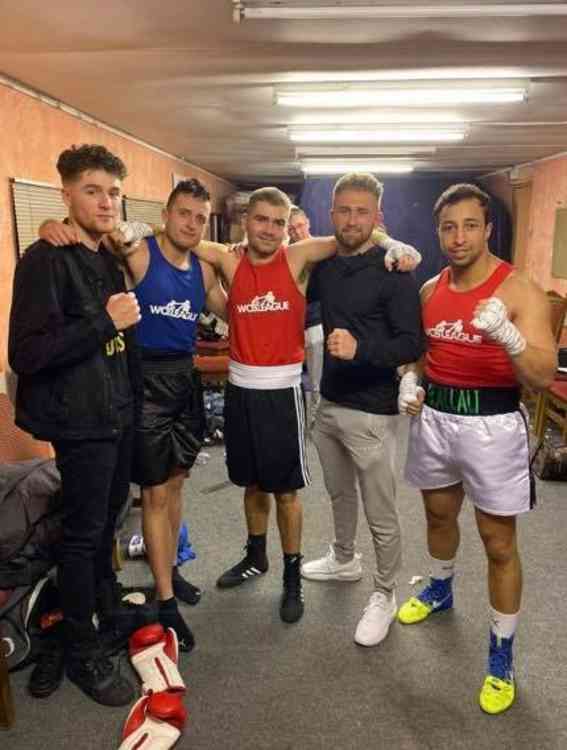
(441,569)
(502,625)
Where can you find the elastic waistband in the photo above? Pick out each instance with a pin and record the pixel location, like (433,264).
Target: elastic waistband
(156,355)
(264,378)
(471,402)
(167,364)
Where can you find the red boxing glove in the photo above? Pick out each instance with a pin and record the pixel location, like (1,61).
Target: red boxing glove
(155,722)
(154,653)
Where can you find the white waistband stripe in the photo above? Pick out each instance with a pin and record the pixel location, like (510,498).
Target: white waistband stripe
(264,377)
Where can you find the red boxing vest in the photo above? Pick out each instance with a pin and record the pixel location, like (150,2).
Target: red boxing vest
(266,314)
(458,354)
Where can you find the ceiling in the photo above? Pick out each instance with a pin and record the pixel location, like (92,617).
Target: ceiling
(181,75)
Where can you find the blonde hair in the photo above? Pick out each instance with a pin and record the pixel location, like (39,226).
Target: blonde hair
(359,181)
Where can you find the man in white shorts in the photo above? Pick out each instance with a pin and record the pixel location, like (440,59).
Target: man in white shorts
(488,332)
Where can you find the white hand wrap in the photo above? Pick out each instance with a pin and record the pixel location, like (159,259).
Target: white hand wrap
(134,231)
(396,250)
(409,391)
(154,653)
(494,322)
(154,723)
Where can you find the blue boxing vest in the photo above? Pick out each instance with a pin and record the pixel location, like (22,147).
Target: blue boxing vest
(171,301)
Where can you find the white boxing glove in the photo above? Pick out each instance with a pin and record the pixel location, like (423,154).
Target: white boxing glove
(494,322)
(409,392)
(154,653)
(155,722)
(396,250)
(134,231)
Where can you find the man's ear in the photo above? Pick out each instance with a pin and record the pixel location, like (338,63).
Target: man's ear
(65,194)
(164,216)
(488,231)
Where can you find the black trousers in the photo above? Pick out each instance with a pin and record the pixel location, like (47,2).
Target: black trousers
(95,479)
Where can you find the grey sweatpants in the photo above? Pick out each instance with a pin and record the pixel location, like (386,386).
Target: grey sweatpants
(357,451)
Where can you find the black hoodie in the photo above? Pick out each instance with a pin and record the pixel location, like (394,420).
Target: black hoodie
(382,310)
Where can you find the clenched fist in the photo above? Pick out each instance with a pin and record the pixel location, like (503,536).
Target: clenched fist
(341,344)
(124,310)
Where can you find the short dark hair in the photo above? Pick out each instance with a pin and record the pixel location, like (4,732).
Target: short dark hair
(363,181)
(462,191)
(78,159)
(272,195)
(188,187)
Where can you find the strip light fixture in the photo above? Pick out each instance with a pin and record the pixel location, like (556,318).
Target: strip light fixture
(340,166)
(363,152)
(402,93)
(304,11)
(367,134)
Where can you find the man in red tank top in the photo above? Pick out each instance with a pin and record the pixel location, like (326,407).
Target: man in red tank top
(488,333)
(264,407)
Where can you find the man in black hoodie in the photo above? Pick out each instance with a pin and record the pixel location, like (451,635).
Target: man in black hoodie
(71,345)
(372,324)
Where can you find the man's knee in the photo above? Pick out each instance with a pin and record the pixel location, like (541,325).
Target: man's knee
(287,500)
(500,548)
(440,518)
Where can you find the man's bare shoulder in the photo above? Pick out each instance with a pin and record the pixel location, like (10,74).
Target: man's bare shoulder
(427,289)
(519,287)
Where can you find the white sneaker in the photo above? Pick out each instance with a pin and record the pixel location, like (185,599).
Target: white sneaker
(328,569)
(376,619)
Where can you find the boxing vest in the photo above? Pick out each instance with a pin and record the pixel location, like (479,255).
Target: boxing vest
(171,300)
(457,353)
(266,314)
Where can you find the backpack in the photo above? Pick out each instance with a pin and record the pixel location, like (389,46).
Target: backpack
(30,521)
(23,621)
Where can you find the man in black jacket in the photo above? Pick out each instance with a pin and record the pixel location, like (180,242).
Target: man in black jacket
(71,345)
(372,324)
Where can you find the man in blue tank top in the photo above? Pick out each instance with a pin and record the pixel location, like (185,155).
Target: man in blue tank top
(172,287)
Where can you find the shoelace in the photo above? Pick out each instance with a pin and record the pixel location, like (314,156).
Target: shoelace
(499,663)
(435,591)
(376,602)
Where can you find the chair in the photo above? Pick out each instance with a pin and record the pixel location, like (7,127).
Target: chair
(15,445)
(552,403)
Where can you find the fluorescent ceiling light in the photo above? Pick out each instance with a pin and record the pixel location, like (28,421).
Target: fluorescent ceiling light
(401,94)
(340,166)
(375,135)
(270,9)
(363,152)
(375,117)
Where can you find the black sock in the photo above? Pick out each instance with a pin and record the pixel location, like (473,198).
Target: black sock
(257,548)
(168,605)
(291,560)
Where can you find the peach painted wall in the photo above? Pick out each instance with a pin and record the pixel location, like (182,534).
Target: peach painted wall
(549,192)
(33,135)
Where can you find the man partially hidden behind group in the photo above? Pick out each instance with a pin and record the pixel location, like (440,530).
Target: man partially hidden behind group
(488,331)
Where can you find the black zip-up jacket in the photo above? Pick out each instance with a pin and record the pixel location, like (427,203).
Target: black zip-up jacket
(58,331)
(382,311)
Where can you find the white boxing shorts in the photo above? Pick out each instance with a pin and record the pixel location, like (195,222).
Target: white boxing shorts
(488,453)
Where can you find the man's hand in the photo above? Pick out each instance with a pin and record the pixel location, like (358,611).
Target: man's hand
(400,256)
(342,344)
(410,395)
(124,310)
(238,249)
(491,317)
(58,234)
